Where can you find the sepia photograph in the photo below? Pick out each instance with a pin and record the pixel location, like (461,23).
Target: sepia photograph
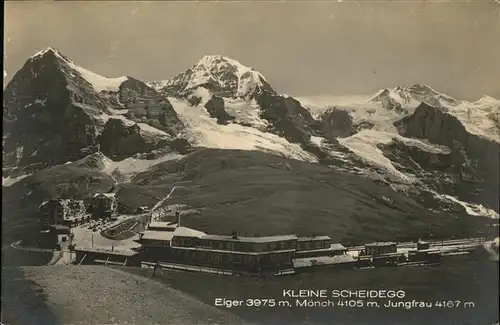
(251,162)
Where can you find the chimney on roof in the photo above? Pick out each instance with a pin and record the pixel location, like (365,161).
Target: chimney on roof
(178,217)
(234,235)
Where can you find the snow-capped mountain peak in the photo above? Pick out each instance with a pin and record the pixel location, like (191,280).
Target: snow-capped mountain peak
(219,63)
(416,93)
(487,100)
(98,82)
(405,99)
(220,75)
(43,52)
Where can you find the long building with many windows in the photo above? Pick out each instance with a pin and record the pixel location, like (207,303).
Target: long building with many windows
(172,243)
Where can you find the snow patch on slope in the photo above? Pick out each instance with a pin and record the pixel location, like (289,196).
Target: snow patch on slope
(470,208)
(364,144)
(203,94)
(204,131)
(131,166)
(316,140)
(98,82)
(157,85)
(246,112)
(9,181)
(148,129)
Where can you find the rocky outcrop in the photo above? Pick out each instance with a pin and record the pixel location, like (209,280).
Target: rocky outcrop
(363,125)
(413,156)
(287,117)
(144,104)
(215,107)
(336,123)
(476,157)
(182,146)
(44,123)
(53,114)
(119,141)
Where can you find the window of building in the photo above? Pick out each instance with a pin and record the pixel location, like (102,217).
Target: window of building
(278,246)
(216,245)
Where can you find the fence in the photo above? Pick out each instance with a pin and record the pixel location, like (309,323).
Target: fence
(187,268)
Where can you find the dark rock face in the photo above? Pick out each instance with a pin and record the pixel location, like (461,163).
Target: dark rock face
(178,86)
(42,122)
(336,124)
(51,114)
(146,105)
(119,141)
(364,125)
(442,161)
(287,117)
(477,157)
(182,146)
(215,107)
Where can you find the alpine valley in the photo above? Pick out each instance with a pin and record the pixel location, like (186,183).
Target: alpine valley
(404,163)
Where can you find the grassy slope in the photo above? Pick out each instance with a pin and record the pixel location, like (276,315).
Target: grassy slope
(250,192)
(262,194)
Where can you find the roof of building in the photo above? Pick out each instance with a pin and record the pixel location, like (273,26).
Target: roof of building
(337,247)
(62,201)
(168,235)
(158,235)
(162,224)
(380,244)
(59,227)
(332,248)
(105,251)
(313,238)
(322,260)
(394,254)
(429,250)
(110,195)
(188,232)
(267,239)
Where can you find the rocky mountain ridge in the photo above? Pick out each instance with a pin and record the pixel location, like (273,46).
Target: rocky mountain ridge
(221,75)
(55,111)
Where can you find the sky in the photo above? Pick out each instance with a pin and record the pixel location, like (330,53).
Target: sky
(302,48)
